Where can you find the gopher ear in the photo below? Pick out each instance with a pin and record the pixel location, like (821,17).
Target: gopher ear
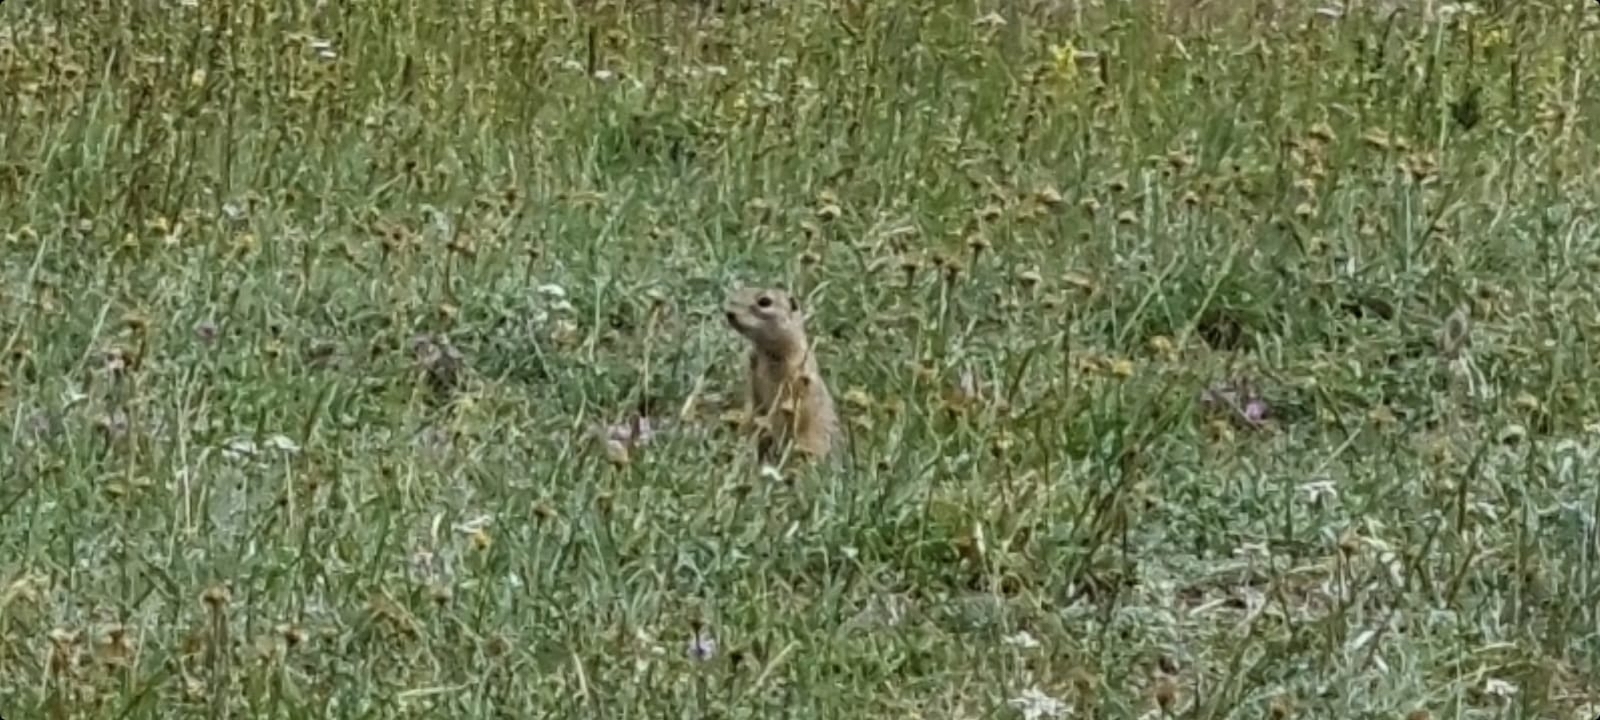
(794,304)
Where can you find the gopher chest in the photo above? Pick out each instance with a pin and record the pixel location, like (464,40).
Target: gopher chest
(789,405)
(778,394)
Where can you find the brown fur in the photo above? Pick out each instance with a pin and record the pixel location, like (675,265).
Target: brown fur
(786,397)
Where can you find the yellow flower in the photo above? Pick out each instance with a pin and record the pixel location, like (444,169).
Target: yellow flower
(1492,38)
(1065,58)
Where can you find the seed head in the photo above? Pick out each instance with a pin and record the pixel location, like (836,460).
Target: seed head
(216,596)
(1280,708)
(293,635)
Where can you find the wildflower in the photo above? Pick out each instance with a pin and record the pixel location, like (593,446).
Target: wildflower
(1064,62)
(620,439)
(702,647)
(283,444)
(473,525)
(1499,688)
(1492,38)
(239,447)
(1034,704)
(1316,491)
(1239,397)
(324,50)
(858,398)
(1255,411)
(206,331)
(1451,10)
(1022,640)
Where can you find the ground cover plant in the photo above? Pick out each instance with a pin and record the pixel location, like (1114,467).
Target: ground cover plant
(1199,360)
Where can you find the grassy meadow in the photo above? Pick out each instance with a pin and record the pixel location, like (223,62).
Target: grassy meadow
(1199,359)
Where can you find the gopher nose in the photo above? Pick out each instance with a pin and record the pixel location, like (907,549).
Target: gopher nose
(732,318)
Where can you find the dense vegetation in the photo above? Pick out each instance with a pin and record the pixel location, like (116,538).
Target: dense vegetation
(364,359)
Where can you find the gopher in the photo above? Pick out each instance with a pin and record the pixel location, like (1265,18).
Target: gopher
(786,397)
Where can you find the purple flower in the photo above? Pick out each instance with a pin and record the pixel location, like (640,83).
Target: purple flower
(1255,411)
(702,647)
(1237,399)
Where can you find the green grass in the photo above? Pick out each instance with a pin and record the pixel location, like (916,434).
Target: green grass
(215,238)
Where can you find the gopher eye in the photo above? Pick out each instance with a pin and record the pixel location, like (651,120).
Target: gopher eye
(764,302)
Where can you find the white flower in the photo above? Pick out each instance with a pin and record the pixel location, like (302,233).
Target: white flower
(1499,688)
(239,447)
(72,396)
(702,647)
(473,525)
(1023,640)
(1034,704)
(1450,10)
(283,444)
(324,49)
(1316,491)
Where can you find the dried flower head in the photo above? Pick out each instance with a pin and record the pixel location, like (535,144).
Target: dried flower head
(217,596)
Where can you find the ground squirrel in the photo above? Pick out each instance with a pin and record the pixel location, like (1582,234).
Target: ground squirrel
(787,398)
